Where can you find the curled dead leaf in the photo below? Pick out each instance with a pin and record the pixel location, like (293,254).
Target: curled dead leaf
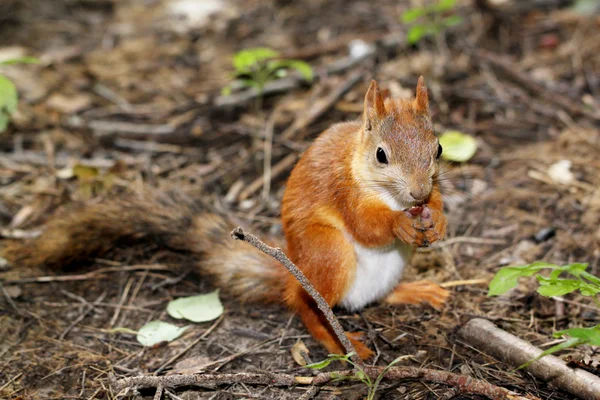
(300,353)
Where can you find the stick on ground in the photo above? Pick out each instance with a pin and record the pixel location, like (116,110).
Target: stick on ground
(464,384)
(487,337)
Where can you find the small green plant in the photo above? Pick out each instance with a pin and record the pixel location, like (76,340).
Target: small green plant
(359,373)
(554,285)
(430,20)
(9,97)
(258,66)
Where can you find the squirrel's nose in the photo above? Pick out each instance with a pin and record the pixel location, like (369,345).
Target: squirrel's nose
(418,194)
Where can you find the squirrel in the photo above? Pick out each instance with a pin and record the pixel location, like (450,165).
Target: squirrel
(357,203)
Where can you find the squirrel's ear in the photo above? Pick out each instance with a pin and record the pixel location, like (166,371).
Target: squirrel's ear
(422,99)
(374,107)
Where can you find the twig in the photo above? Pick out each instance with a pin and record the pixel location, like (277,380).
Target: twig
(103,127)
(239,234)
(465,384)
(467,239)
(14,378)
(310,393)
(159,391)
(464,282)
(90,275)
(268,147)
(172,396)
(485,336)
(113,321)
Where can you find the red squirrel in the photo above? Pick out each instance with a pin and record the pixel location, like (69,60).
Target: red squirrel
(360,199)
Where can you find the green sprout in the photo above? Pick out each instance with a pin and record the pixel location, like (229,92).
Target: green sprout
(9,97)
(554,285)
(430,20)
(258,66)
(359,373)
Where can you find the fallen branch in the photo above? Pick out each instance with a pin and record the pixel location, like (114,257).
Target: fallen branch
(239,234)
(462,383)
(485,336)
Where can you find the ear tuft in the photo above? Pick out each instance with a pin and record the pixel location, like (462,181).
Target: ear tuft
(374,108)
(422,98)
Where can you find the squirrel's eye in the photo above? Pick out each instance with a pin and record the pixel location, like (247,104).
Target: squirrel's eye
(439,150)
(381,157)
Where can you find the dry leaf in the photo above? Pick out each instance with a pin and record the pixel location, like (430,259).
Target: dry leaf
(191,365)
(299,351)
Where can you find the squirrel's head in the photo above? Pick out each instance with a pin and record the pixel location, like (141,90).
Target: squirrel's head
(399,152)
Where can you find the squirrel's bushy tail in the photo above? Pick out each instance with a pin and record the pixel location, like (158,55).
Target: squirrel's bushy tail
(170,220)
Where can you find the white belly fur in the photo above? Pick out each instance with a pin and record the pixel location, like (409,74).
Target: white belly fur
(378,271)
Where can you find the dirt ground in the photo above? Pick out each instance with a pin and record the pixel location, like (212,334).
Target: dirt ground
(130,90)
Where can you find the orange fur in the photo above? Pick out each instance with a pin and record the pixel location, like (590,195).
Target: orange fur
(419,292)
(328,199)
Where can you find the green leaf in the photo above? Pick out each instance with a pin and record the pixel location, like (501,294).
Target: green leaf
(3,121)
(245,60)
(445,5)
(302,67)
(21,60)
(361,376)
(594,279)
(413,14)
(8,101)
(452,20)
(457,146)
(560,287)
(85,172)
(589,335)
(8,96)
(416,33)
(330,358)
(155,332)
(226,91)
(385,370)
(201,308)
(507,277)
(553,286)
(337,377)
(320,364)
(561,346)
(575,268)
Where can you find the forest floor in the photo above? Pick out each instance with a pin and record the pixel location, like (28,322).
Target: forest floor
(128,94)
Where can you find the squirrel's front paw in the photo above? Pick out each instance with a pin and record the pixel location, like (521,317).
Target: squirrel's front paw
(435,223)
(410,231)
